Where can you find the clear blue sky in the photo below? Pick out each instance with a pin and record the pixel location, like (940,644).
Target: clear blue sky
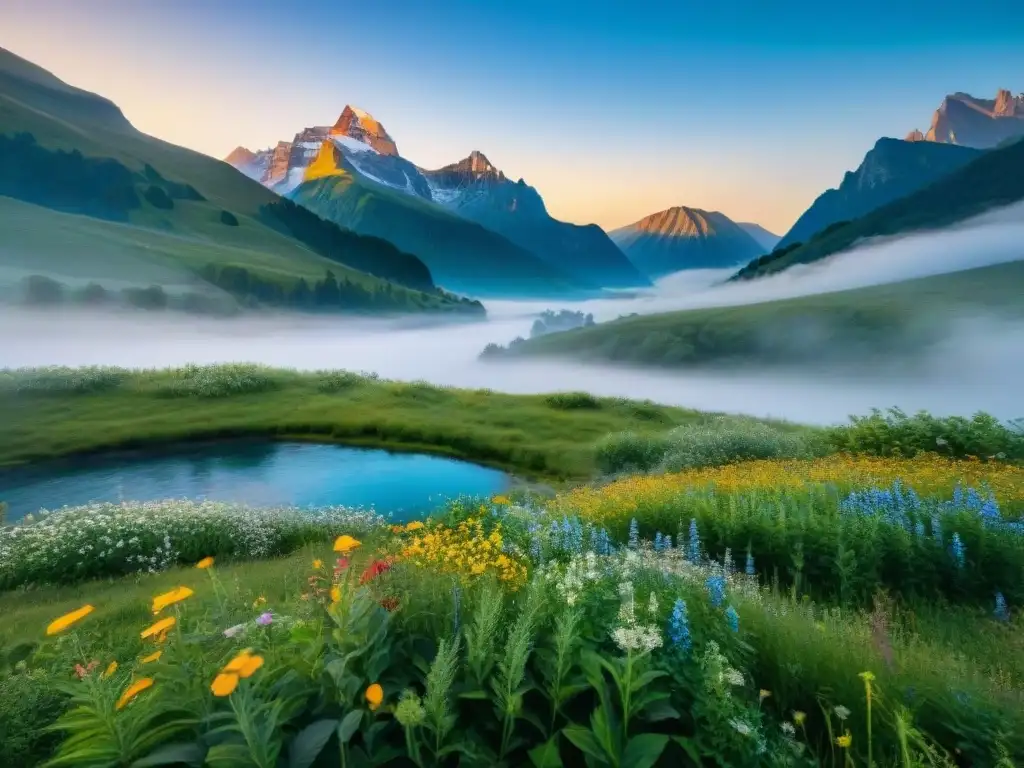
(612,110)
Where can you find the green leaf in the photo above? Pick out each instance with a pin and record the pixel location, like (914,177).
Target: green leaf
(476,695)
(646,679)
(660,710)
(546,755)
(583,739)
(310,742)
(691,749)
(349,725)
(172,754)
(644,750)
(532,719)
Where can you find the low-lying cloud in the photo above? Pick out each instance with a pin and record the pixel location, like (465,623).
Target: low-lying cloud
(978,367)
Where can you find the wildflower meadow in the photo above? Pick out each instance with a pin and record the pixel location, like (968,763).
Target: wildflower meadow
(794,609)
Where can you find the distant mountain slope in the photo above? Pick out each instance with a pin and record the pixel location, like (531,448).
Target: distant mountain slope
(994,179)
(685,238)
(971,122)
(476,190)
(893,324)
(67,150)
(473,190)
(889,171)
(767,240)
(461,254)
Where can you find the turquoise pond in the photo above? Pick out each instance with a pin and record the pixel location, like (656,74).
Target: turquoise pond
(262,474)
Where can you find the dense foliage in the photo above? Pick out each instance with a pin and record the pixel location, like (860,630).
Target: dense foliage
(372,255)
(510,633)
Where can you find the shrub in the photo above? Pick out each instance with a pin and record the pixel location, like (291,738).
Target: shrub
(29,703)
(158,198)
(228,218)
(40,289)
(152,297)
(895,433)
(93,293)
(338,381)
(218,380)
(723,441)
(567,401)
(60,380)
(629,451)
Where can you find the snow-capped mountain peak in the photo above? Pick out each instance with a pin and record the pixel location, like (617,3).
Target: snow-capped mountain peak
(360,125)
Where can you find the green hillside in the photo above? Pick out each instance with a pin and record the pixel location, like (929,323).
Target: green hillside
(994,179)
(462,255)
(83,194)
(888,321)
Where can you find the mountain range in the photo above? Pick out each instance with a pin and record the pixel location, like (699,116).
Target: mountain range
(477,230)
(685,238)
(972,122)
(85,197)
(889,171)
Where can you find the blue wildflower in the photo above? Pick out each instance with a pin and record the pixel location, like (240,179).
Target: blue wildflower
(679,626)
(749,568)
(1001,611)
(634,534)
(732,619)
(936,529)
(602,542)
(919,529)
(456,614)
(959,550)
(716,589)
(535,542)
(659,543)
(694,543)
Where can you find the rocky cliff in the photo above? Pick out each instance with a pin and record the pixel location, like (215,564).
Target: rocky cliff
(980,123)
(361,126)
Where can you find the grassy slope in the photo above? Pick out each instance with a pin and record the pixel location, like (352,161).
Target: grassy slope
(461,254)
(190,235)
(994,179)
(524,434)
(892,317)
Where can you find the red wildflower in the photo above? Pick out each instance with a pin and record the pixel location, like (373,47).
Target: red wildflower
(375,569)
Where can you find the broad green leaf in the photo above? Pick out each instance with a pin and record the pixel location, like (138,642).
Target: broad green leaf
(310,742)
(546,755)
(691,749)
(583,739)
(349,725)
(605,727)
(172,754)
(476,695)
(646,679)
(532,719)
(644,750)
(659,710)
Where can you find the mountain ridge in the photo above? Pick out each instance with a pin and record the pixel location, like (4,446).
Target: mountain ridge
(974,122)
(682,237)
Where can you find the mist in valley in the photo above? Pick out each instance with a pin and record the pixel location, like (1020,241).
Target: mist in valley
(978,366)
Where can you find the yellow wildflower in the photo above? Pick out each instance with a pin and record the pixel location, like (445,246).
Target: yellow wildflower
(500,499)
(206,562)
(763,694)
(155,656)
(415,525)
(159,628)
(111,669)
(318,564)
(346,544)
(845,740)
(261,600)
(374,696)
(224,684)
(799,717)
(867,677)
(65,621)
(134,690)
(335,594)
(170,598)
(244,664)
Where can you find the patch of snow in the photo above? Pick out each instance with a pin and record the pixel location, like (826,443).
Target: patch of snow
(290,182)
(371,177)
(353,145)
(443,195)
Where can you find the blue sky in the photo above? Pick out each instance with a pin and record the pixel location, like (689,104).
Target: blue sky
(612,110)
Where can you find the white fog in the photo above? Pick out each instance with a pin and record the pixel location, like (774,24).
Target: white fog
(979,369)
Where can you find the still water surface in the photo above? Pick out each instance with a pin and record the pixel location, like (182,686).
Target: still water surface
(263,474)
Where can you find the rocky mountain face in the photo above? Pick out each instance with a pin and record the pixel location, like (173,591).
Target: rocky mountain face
(980,123)
(361,126)
(472,189)
(685,238)
(890,170)
(476,190)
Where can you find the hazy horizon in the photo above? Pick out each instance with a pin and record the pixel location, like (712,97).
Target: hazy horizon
(976,367)
(612,111)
